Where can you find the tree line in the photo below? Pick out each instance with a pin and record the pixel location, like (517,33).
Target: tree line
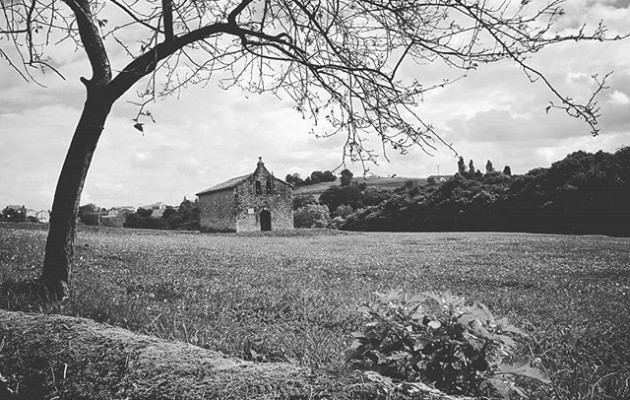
(183,217)
(583,193)
(319,176)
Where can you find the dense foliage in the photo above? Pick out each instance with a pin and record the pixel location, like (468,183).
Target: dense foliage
(583,193)
(346,177)
(186,216)
(13,214)
(316,177)
(458,346)
(304,199)
(355,195)
(89,214)
(311,216)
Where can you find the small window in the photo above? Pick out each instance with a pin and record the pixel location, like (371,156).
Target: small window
(268,187)
(258,187)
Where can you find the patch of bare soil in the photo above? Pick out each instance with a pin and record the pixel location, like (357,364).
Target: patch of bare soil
(60,357)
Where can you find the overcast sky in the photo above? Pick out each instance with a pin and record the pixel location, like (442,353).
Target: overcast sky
(209,135)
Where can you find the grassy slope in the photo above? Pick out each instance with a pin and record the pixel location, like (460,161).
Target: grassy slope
(293,298)
(378,182)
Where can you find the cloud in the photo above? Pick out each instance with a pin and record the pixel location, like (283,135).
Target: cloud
(619,98)
(33,146)
(208,135)
(577,13)
(509,126)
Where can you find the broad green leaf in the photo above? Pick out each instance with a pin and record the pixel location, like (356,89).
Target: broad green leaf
(435,324)
(523,368)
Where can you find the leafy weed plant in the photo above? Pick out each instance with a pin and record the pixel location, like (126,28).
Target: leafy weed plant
(439,338)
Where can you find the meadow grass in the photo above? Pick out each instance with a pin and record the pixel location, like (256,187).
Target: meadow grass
(294,296)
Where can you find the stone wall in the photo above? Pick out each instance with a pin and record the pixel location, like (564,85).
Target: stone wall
(216,211)
(238,208)
(249,205)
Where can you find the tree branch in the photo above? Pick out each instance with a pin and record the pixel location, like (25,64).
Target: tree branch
(239,9)
(167,10)
(146,63)
(134,17)
(587,112)
(92,43)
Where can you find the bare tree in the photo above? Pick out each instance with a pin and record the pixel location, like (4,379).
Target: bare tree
(340,61)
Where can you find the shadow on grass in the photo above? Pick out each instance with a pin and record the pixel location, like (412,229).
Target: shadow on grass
(22,295)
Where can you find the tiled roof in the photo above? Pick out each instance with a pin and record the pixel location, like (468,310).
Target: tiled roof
(229,184)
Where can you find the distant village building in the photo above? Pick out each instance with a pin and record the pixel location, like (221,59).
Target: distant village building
(155,210)
(439,178)
(115,216)
(43,216)
(160,205)
(253,202)
(20,213)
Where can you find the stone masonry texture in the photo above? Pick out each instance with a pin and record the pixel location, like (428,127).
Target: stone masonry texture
(238,207)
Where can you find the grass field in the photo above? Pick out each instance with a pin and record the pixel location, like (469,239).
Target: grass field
(293,297)
(377,182)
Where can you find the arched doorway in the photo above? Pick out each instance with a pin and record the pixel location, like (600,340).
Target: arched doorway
(265,220)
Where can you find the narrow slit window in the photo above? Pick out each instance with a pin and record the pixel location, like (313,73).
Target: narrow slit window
(268,184)
(258,187)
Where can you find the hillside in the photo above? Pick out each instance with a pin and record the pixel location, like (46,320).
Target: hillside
(584,193)
(379,182)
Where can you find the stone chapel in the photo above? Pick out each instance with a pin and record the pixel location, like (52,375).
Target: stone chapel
(249,203)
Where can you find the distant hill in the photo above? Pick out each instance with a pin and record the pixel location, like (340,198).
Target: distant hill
(378,182)
(584,193)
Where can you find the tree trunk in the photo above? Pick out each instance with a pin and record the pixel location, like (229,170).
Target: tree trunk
(58,259)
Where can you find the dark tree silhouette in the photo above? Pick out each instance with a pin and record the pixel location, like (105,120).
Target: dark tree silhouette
(346,177)
(461,166)
(328,176)
(338,60)
(317,176)
(489,167)
(294,179)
